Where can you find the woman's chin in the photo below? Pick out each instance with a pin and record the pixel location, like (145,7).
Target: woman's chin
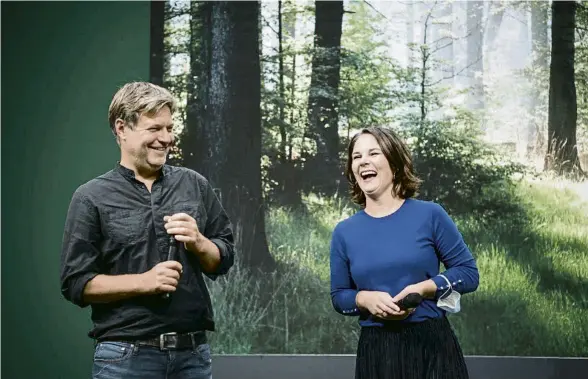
(371,193)
(374,193)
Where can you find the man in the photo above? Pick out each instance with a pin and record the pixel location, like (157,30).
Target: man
(150,311)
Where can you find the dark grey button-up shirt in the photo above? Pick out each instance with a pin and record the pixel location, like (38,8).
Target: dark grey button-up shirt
(115,226)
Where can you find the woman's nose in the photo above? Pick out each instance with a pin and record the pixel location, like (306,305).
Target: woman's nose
(363,161)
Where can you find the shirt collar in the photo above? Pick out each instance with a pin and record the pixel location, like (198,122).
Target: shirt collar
(128,173)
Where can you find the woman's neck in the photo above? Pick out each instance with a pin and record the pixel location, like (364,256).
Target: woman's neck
(383,206)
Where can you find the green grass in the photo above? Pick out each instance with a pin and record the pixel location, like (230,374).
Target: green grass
(533,296)
(532,299)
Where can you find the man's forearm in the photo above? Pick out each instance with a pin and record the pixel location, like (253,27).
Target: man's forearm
(208,254)
(109,288)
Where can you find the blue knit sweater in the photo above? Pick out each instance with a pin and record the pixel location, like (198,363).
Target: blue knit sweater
(389,253)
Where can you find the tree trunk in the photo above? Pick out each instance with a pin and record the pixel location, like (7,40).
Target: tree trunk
(194,141)
(230,120)
(425,57)
(496,14)
(410,37)
(286,173)
(441,44)
(540,54)
(156,72)
(283,136)
(475,71)
(323,121)
(562,153)
(291,31)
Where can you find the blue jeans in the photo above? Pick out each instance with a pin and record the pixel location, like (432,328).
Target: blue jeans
(122,360)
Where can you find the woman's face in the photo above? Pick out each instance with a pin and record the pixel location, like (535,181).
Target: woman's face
(370,167)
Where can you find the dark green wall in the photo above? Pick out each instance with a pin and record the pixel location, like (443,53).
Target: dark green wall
(61,63)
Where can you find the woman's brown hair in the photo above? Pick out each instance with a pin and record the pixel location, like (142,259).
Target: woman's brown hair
(405,181)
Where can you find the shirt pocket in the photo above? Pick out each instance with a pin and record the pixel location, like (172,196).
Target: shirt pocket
(195,210)
(127,226)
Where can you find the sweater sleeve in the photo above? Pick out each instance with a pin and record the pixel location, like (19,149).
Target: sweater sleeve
(461,269)
(343,289)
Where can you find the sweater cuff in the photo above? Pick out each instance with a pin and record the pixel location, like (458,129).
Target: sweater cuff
(443,287)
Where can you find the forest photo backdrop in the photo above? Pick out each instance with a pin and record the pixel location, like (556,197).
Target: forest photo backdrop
(492,98)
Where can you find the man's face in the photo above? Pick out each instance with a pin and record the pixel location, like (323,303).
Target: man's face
(147,145)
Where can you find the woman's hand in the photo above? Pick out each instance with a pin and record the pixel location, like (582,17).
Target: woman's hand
(381,305)
(426,289)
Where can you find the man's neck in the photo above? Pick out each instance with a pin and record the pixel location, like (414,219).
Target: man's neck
(147,176)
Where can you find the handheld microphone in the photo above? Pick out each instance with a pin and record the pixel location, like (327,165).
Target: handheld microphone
(171,254)
(412,300)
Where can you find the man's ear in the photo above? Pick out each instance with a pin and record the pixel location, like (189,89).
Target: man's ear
(119,129)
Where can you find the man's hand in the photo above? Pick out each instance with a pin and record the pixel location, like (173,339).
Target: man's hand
(184,229)
(162,278)
(381,305)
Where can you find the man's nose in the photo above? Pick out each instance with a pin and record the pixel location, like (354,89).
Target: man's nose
(166,137)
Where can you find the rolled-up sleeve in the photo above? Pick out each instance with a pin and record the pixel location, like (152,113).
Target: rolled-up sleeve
(80,256)
(219,231)
(461,270)
(343,288)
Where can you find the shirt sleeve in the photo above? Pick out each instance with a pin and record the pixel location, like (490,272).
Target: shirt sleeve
(343,289)
(219,231)
(461,269)
(80,256)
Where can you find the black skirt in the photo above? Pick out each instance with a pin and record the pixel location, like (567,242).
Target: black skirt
(424,350)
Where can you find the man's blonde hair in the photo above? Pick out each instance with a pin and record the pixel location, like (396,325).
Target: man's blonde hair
(137,98)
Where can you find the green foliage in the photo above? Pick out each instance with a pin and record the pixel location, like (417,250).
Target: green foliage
(284,97)
(365,93)
(458,169)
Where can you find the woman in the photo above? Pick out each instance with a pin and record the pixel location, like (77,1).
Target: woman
(389,249)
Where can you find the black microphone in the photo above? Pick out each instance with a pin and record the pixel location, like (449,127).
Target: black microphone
(412,300)
(171,255)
